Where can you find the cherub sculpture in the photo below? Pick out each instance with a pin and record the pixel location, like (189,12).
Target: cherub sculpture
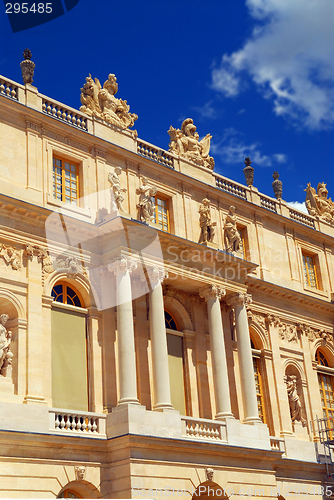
(101,102)
(186,143)
(207,227)
(231,234)
(6,355)
(318,204)
(294,401)
(145,205)
(117,197)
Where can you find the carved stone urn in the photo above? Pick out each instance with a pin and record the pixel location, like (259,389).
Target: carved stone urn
(248,172)
(27,67)
(277,186)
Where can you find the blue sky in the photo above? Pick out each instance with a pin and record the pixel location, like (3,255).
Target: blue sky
(255,74)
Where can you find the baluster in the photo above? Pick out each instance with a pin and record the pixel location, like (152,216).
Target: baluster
(57,421)
(49,108)
(7,91)
(73,423)
(63,115)
(94,426)
(89,425)
(69,117)
(73,120)
(2,88)
(54,111)
(68,423)
(83,425)
(58,113)
(13,93)
(78,419)
(62,421)
(43,107)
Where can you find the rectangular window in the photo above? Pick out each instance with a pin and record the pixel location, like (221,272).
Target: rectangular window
(65,181)
(161,213)
(242,249)
(310,275)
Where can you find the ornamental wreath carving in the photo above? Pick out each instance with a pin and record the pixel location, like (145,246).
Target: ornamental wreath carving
(186,143)
(101,102)
(318,204)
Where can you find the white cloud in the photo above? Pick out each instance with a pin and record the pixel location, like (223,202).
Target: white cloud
(290,57)
(232,149)
(298,206)
(207,111)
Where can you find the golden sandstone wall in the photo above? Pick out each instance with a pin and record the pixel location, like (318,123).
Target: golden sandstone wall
(288,322)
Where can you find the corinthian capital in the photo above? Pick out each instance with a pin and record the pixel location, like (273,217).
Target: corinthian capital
(239,299)
(212,291)
(123,265)
(157,274)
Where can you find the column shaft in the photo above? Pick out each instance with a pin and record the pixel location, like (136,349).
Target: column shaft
(248,388)
(161,380)
(126,345)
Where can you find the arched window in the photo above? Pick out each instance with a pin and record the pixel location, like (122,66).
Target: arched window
(68,494)
(176,364)
(69,349)
(258,382)
(326,386)
(66,295)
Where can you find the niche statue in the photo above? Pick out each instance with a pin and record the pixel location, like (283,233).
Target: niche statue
(6,356)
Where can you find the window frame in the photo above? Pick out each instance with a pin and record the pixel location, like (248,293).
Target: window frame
(307,282)
(64,160)
(64,285)
(156,212)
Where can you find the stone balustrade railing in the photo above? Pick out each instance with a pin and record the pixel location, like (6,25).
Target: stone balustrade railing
(307,220)
(9,88)
(268,203)
(277,444)
(211,430)
(82,423)
(230,187)
(155,154)
(64,113)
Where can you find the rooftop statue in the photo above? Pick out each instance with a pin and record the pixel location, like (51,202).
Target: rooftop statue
(101,102)
(186,143)
(318,204)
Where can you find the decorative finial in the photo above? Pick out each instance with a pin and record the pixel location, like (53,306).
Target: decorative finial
(277,186)
(27,67)
(248,172)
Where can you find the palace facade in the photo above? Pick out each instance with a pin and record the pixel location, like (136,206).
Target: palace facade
(165,331)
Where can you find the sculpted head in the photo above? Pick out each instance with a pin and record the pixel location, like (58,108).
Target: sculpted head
(206,202)
(118,170)
(144,181)
(4,318)
(322,190)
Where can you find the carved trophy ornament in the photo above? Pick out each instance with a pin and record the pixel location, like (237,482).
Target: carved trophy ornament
(248,172)
(27,67)
(6,356)
(117,198)
(207,227)
(294,401)
(186,143)
(318,204)
(231,235)
(145,205)
(101,102)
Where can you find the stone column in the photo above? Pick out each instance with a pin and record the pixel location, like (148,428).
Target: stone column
(125,332)
(248,389)
(212,294)
(161,382)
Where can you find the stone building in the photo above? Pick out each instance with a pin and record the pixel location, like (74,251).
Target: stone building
(162,327)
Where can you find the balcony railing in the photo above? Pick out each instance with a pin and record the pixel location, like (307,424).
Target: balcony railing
(268,203)
(9,88)
(64,113)
(230,187)
(307,220)
(210,430)
(77,423)
(277,444)
(155,154)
